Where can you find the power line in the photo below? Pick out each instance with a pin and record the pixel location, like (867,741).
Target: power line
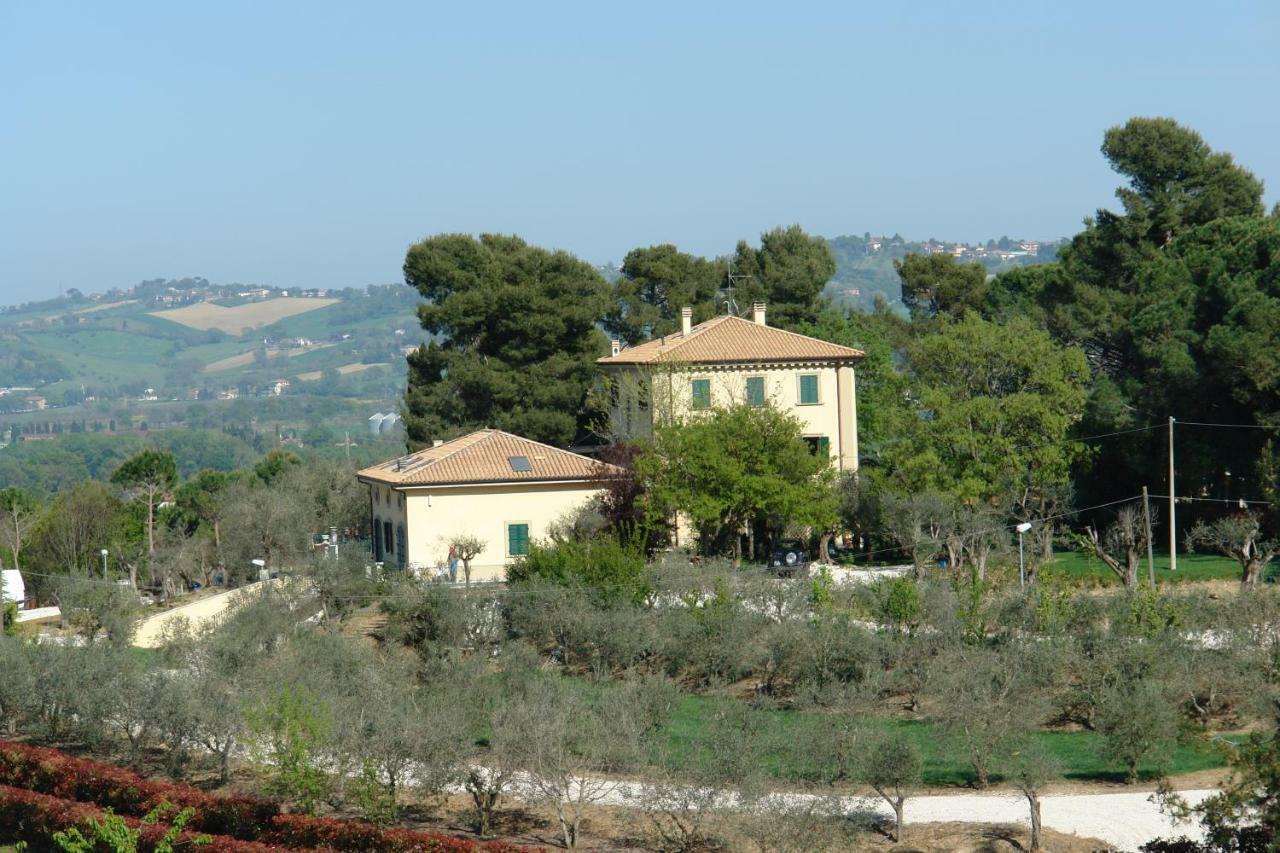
(1085,438)
(1225,500)
(1227,426)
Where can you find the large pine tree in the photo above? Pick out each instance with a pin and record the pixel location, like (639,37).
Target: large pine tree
(516,337)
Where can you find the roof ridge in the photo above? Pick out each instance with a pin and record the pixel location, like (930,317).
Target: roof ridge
(796,334)
(452,451)
(684,339)
(535,442)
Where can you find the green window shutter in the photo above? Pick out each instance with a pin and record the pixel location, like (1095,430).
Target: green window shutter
(808,389)
(700,390)
(824,447)
(517,540)
(755,391)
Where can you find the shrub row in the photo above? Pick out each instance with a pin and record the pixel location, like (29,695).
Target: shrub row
(68,779)
(300,830)
(49,771)
(34,818)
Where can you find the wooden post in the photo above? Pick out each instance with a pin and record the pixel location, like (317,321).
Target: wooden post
(1146,516)
(1173,511)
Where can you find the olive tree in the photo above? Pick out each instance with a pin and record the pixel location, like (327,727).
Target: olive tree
(892,767)
(1030,766)
(1240,538)
(573,744)
(1125,540)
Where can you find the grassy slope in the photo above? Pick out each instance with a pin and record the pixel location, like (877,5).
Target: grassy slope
(104,355)
(1090,570)
(1081,753)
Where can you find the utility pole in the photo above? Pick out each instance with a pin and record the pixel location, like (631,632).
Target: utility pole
(1173,511)
(1146,515)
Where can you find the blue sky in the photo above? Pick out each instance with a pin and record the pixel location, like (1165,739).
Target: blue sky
(311,143)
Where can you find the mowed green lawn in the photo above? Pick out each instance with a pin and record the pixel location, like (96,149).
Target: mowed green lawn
(1081,753)
(1088,569)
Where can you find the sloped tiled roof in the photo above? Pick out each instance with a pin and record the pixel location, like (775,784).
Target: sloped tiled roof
(732,340)
(485,456)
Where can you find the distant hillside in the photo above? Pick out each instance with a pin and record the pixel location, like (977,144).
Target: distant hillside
(864,264)
(188,353)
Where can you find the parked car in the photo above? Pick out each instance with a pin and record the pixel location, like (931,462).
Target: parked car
(789,557)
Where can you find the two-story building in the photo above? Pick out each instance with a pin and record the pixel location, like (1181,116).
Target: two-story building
(503,489)
(729,360)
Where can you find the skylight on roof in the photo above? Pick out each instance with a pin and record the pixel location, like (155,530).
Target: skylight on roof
(519,464)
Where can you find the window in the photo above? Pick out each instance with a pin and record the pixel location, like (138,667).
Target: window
(377,540)
(819,445)
(388,541)
(700,390)
(808,389)
(519,464)
(755,391)
(517,540)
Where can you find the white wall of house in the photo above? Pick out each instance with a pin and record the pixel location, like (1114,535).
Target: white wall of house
(669,391)
(434,515)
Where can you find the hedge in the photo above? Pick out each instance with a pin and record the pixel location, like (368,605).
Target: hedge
(49,771)
(70,779)
(34,818)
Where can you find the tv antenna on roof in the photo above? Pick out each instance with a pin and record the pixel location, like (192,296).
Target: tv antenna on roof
(731,304)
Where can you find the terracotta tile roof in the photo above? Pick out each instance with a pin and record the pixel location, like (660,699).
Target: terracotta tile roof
(730,340)
(486,456)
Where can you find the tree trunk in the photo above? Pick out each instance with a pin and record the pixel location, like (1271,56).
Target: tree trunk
(1046,542)
(151,527)
(824,548)
(1033,799)
(897,819)
(1252,573)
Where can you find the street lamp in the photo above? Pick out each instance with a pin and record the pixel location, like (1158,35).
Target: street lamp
(103,552)
(1022,565)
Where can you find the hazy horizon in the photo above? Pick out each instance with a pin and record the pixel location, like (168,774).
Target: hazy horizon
(300,145)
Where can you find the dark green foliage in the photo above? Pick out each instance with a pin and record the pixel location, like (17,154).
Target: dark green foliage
(736,467)
(787,272)
(655,284)
(603,567)
(517,339)
(937,284)
(1174,301)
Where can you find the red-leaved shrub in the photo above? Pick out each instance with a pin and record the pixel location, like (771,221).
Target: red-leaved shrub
(34,818)
(74,781)
(355,835)
(49,771)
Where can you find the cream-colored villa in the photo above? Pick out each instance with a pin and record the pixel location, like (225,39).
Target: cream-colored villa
(502,488)
(729,360)
(508,490)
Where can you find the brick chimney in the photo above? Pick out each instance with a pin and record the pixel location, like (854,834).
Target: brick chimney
(757,313)
(615,347)
(686,320)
